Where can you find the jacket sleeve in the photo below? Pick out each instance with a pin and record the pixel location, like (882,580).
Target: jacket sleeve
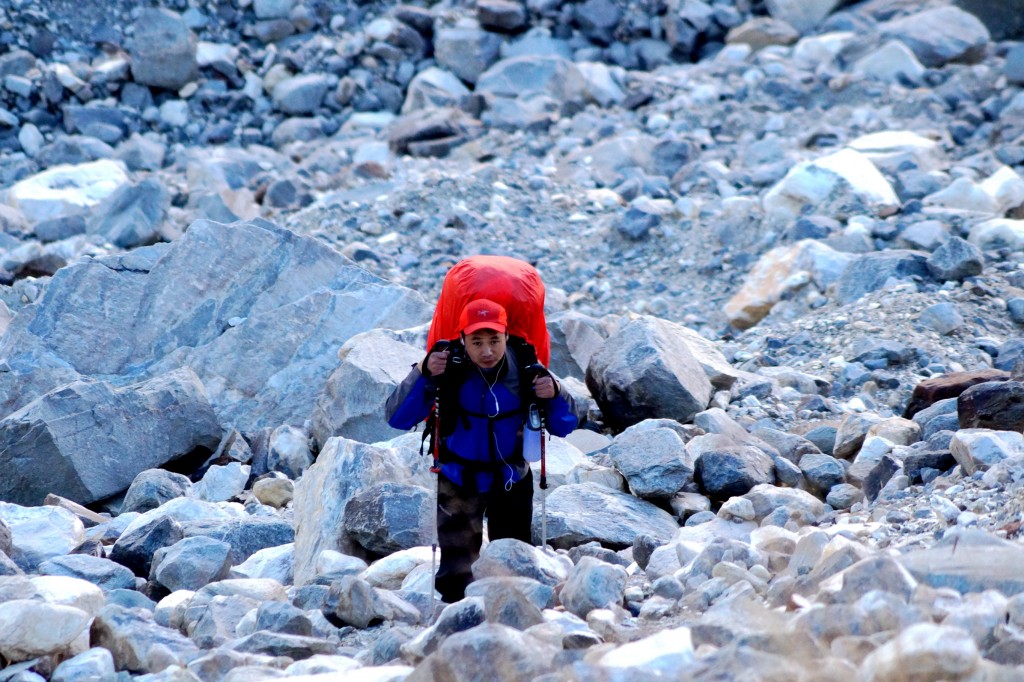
(562,413)
(410,402)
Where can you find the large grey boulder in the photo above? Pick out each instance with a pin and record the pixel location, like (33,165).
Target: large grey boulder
(584,512)
(256,310)
(88,440)
(940,35)
(433,88)
(164,51)
(344,469)
(370,366)
(647,370)
(1004,20)
(390,517)
(803,15)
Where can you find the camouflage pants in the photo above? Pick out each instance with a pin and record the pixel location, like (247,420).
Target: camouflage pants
(460,523)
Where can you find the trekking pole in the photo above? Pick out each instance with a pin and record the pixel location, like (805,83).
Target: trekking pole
(436,470)
(543,481)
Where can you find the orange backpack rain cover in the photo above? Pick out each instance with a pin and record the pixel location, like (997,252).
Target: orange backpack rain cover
(512,283)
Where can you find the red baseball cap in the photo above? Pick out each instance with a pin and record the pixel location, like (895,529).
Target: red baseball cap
(482,314)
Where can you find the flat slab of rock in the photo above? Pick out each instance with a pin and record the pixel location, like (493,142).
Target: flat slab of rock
(930,391)
(585,512)
(969,561)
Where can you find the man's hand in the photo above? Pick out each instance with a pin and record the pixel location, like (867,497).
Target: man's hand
(434,364)
(544,387)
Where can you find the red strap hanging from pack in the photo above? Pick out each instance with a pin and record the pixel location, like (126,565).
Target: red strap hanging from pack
(514,284)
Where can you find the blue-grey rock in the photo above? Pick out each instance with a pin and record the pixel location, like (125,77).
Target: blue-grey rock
(245,535)
(585,512)
(505,16)
(956,259)
(822,472)
(1010,353)
(597,20)
(57,229)
(136,548)
(942,317)
(466,51)
(870,272)
(293,302)
(283,618)
(636,223)
(593,584)
(968,560)
(725,470)
(1014,66)
(131,216)
(648,370)
(104,573)
(130,635)
(655,462)
(88,441)
(390,517)
(300,95)
(877,353)
(1004,20)
(940,35)
(152,487)
(191,563)
(164,50)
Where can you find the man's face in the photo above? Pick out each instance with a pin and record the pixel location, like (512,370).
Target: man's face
(486,347)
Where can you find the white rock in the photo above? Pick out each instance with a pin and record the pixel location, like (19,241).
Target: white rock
(381,673)
(30,628)
(274,563)
(390,571)
(65,190)
(30,139)
(963,195)
(41,533)
(208,53)
(812,183)
(978,449)
(923,652)
(814,51)
(183,509)
(221,483)
(890,149)
(892,61)
(68,591)
(272,9)
(174,113)
(1006,189)
(660,654)
(601,83)
(561,457)
(170,611)
(1000,232)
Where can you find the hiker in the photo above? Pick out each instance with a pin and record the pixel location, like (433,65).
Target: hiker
(484,396)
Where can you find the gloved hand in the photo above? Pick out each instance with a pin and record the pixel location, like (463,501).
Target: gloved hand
(433,365)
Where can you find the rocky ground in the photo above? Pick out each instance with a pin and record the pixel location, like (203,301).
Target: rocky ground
(782,243)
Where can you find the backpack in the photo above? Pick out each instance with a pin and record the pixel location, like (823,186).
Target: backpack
(514,284)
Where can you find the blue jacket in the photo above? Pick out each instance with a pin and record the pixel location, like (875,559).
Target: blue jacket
(488,434)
